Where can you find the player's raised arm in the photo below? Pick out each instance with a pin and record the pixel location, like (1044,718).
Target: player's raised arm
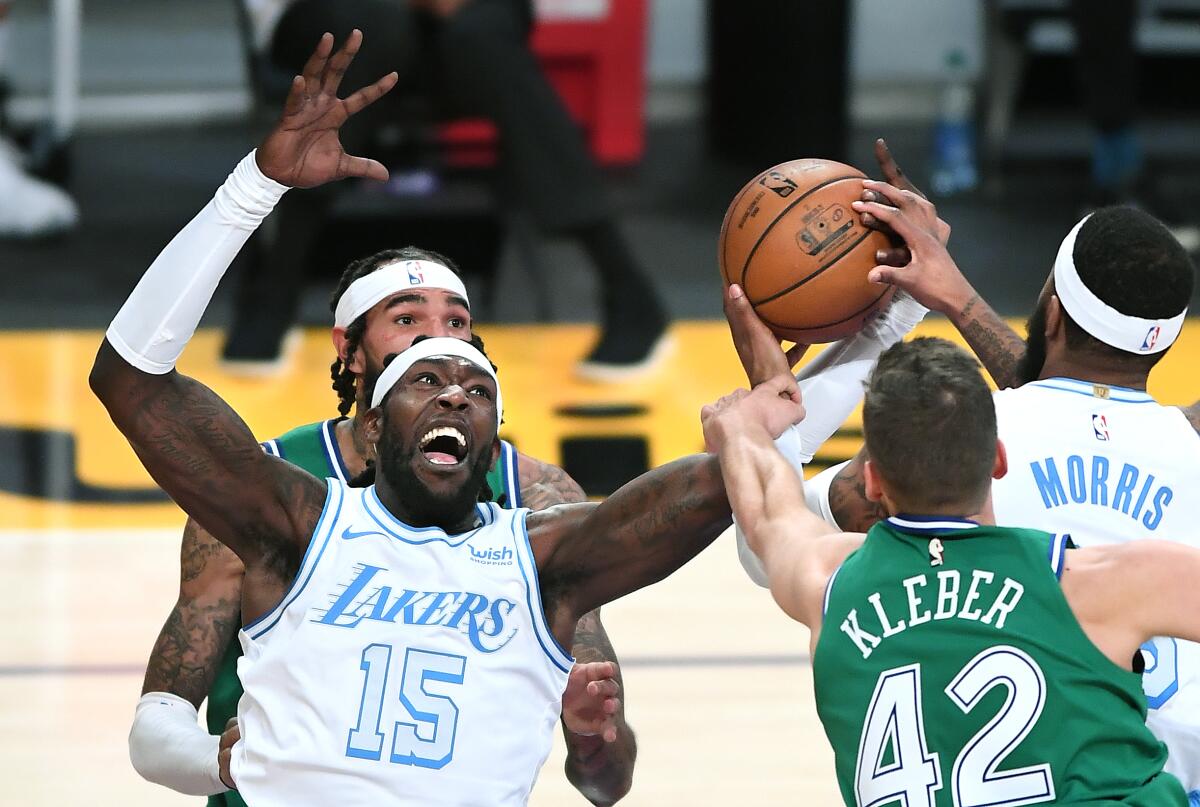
(798,549)
(929,274)
(646,530)
(192,443)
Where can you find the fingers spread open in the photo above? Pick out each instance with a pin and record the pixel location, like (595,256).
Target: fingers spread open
(335,68)
(316,64)
(370,94)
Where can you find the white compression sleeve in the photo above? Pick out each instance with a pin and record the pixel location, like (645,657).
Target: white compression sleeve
(832,383)
(160,316)
(168,747)
(816,497)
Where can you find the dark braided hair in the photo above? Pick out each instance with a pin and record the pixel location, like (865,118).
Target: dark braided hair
(367,477)
(343,378)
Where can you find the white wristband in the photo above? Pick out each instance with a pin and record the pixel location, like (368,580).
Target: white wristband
(168,747)
(161,314)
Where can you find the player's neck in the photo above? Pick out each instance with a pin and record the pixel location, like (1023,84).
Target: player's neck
(1110,375)
(986,515)
(352,444)
(394,503)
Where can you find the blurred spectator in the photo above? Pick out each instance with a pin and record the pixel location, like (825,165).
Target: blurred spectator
(1106,55)
(29,207)
(467,58)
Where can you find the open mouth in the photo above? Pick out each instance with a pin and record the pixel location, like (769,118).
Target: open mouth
(445,445)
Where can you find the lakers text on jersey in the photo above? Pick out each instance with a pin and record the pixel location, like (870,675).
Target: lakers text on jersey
(404,666)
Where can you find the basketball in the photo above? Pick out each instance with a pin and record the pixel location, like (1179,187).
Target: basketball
(791,240)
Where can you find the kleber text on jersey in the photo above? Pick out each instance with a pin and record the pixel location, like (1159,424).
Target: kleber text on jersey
(931,597)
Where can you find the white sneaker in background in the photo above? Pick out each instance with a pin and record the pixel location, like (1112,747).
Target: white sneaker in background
(30,207)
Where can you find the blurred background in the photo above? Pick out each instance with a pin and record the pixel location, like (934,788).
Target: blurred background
(122,117)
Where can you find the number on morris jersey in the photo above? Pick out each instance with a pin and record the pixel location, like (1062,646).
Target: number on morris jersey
(427,740)
(895,764)
(1160,681)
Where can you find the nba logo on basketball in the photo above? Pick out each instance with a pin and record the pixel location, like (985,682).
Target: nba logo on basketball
(1151,338)
(414,274)
(1100,427)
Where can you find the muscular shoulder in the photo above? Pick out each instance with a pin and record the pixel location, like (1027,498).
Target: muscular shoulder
(544,485)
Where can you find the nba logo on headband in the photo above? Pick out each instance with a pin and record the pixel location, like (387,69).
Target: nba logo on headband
(1151,338)
(415,276)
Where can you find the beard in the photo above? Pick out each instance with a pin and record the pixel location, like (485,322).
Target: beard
(424,507)
(1029,368)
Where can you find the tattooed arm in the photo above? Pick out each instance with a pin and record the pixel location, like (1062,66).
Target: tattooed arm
(848,502)
(601,771)
(203,622)
(204,456)
(934,279)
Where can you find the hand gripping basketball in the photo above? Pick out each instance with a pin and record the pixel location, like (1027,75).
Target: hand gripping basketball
(930,275)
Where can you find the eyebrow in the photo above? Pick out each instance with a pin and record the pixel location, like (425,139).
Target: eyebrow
(418,297)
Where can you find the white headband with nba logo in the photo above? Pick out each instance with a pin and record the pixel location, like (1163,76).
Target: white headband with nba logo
(364,293)
(1099,319)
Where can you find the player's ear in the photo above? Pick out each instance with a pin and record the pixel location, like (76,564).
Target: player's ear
(339,342)
(1001,466)
(495,450)
(373,424)
(871,485)
(1054,317)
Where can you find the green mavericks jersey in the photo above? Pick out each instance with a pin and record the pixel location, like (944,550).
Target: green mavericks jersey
(315,449)
(951,671)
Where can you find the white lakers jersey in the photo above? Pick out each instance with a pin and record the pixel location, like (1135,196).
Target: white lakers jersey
(404,666)
(1108,464)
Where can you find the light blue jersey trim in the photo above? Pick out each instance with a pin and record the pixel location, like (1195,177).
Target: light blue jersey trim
(1119,394)
(512,480)
(417,535)
(333,452)
(333,501)
(533,597)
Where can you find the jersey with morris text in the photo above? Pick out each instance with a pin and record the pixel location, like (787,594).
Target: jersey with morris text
(404,666)
(950,670)
(1110,464)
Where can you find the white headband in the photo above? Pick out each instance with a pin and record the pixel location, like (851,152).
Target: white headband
(428,348)
(1099,319)
(368,290)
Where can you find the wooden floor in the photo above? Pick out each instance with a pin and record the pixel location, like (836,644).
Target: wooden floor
(718,683)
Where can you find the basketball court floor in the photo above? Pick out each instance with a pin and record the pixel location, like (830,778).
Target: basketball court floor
(718,684)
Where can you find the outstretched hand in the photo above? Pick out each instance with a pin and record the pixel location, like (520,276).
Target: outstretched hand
(758,349)
(304,149)
(897,255)
(590,703)
(929,274)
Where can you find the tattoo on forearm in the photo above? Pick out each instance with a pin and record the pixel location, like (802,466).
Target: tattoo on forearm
(190,647)
(848,501)
(996,344)
(544,485)
(602,772)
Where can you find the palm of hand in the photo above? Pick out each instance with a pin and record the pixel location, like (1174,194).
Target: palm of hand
(304,149)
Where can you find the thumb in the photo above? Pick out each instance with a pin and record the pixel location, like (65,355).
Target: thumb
(884,274)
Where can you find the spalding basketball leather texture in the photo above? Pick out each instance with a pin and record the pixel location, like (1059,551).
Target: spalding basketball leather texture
(792,241)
